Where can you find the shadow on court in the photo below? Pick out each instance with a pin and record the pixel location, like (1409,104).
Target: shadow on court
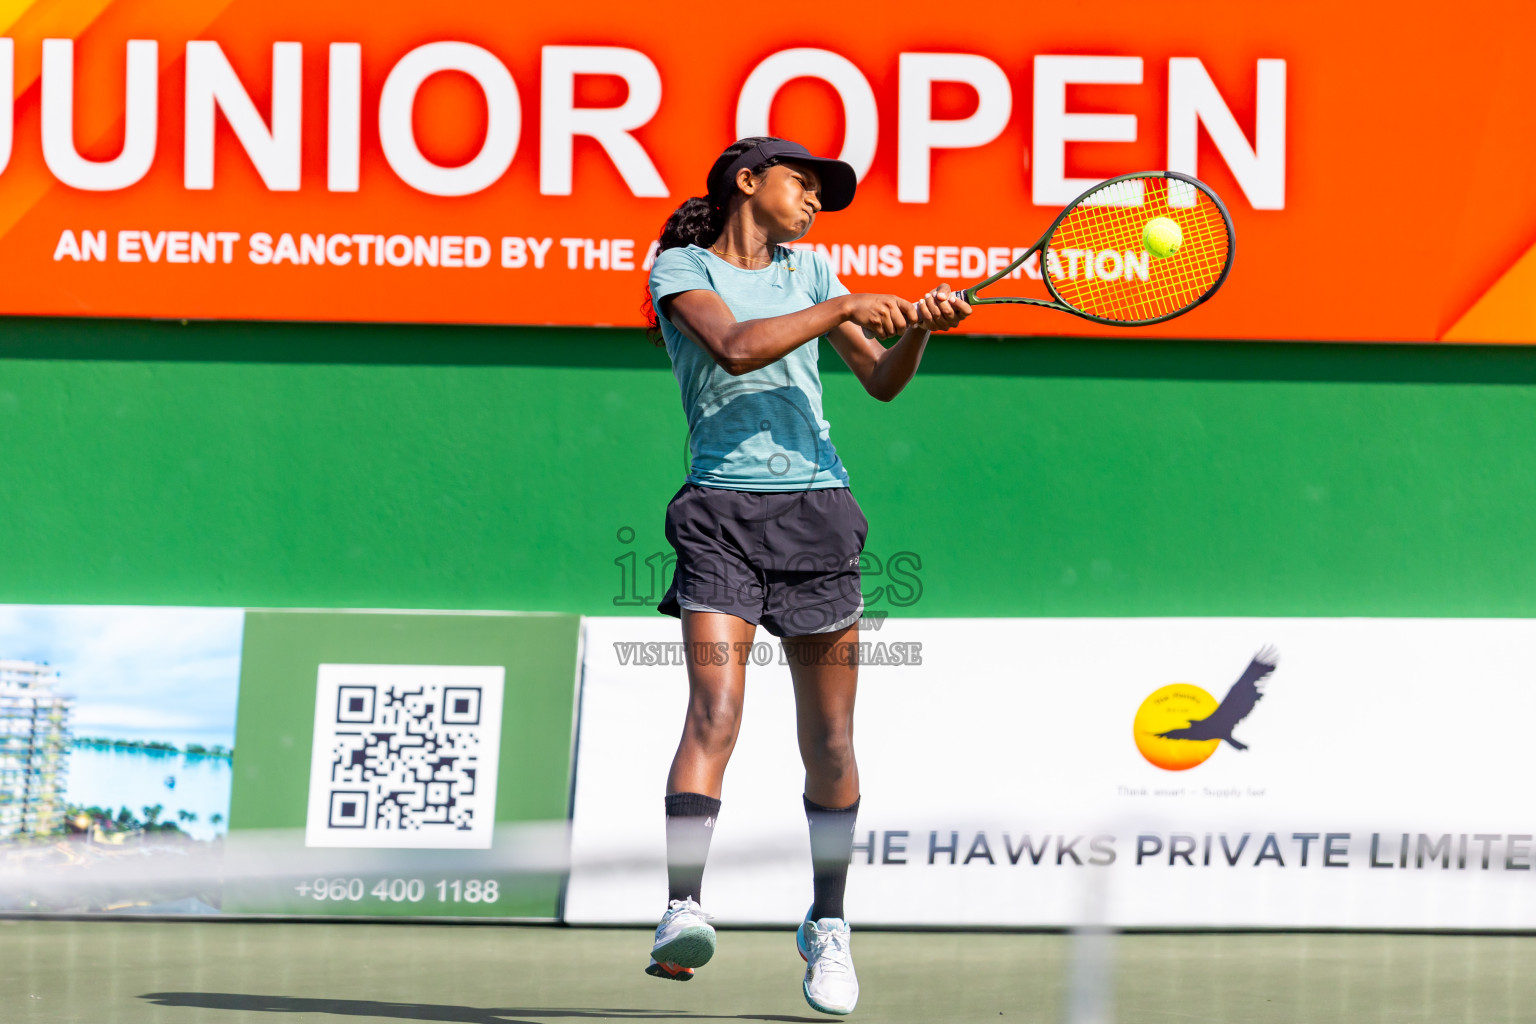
(432,1011)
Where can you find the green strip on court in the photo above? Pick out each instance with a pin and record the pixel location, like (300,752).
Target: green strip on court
(193,973)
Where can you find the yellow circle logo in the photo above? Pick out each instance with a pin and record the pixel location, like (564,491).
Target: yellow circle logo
(1174,707)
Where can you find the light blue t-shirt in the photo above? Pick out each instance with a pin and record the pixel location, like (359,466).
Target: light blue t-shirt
(763,430)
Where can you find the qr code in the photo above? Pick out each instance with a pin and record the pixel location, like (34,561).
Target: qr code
(405,756)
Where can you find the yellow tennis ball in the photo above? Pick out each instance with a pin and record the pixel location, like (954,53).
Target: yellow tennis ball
(1161,237)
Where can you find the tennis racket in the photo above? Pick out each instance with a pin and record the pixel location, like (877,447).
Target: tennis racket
(1094,262)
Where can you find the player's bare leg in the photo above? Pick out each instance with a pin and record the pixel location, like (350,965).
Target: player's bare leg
(715,695)
(825,670)
(716,687)
(824,667)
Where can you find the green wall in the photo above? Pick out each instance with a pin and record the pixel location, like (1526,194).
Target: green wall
(430,467)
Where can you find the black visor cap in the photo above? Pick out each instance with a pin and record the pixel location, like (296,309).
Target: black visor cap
(838,181)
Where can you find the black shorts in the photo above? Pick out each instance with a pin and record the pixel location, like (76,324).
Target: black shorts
(786,560)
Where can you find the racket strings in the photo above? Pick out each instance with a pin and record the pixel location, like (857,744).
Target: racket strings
(1172,286)
(1175,285)
(1112,219)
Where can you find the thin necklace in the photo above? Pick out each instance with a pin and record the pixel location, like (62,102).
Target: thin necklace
(749,259)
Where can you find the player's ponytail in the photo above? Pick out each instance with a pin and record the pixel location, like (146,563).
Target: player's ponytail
(700,220)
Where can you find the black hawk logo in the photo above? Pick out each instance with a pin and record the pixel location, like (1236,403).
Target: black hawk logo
(1234,707)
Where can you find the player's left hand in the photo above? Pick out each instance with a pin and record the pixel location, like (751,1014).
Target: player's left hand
(941,309)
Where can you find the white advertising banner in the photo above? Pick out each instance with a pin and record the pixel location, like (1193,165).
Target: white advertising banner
(1223,772)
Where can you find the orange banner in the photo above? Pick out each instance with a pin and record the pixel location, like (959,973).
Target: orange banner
(457,162)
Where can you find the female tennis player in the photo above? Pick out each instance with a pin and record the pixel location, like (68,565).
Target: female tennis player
(765,528)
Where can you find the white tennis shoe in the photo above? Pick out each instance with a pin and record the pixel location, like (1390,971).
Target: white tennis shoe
(830,984)
(684,939)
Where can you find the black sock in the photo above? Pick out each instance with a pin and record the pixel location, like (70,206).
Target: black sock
(831,850)
(690,824)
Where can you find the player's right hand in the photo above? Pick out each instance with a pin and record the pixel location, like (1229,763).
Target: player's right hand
(942,309)
(881,316)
